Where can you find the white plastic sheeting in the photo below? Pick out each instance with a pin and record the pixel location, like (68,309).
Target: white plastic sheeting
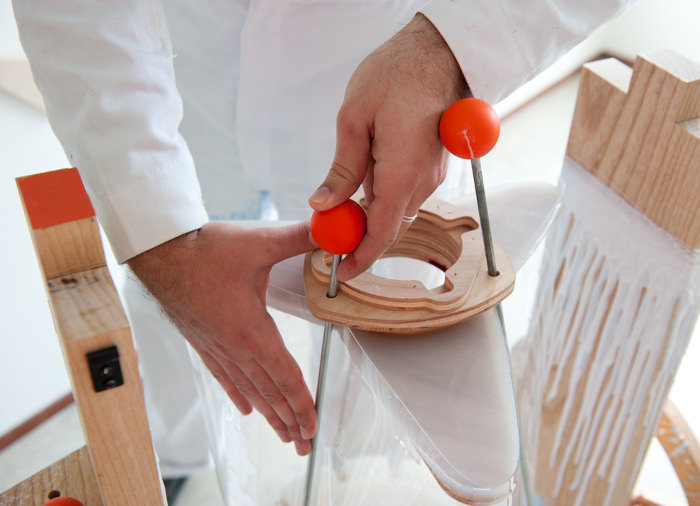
(408,420)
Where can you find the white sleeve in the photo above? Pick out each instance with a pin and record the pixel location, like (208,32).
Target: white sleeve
(106,74)
(502,44)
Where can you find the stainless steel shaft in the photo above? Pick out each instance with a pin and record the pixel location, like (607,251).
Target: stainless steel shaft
(321,385)
(484,217)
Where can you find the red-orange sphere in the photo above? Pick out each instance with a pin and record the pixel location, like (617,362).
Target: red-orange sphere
(339,230)
(63,501)
(469,128)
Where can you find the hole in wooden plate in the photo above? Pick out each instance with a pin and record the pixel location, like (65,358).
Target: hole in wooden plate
(409,269)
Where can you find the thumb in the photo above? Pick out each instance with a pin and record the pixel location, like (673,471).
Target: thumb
(352,157)
(288,241)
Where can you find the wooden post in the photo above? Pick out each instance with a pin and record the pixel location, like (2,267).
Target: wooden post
(615,308)
(94,336)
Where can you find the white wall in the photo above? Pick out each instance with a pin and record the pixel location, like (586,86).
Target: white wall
(647,25)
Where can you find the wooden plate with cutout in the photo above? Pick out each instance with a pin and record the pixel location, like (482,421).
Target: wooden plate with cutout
(442,235)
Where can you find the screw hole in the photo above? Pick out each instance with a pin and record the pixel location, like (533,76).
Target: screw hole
(54,494)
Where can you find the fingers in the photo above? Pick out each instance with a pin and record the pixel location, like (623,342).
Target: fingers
(288,241)
(225,381)
(352,156)
(264,394)
(385,226)
(263,375)
(406,170)
(280,395)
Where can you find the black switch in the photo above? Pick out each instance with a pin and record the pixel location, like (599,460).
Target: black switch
(105,368)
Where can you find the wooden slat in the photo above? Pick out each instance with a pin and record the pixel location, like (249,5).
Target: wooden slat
(89,317)
(34,421)
(72,476)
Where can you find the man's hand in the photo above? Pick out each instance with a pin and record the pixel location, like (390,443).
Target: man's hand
(387,136)
(213,283)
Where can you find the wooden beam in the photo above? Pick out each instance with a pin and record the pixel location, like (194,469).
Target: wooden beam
(89,318)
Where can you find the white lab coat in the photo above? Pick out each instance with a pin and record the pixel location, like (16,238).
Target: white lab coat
(260,83)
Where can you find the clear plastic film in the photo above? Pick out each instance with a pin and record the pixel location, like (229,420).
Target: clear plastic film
(408,420)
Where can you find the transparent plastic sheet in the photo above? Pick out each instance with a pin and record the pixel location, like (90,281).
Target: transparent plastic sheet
(619,344)
(410,420)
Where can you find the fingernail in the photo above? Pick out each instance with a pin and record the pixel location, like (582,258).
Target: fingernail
(301,447)
(346,267)
(320,195)
(283,436)
(307,433)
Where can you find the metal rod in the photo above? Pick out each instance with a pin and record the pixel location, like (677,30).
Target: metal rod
(333,285)
(321,385)
(484,217)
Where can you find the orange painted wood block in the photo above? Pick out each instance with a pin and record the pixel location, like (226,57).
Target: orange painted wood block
(53,198)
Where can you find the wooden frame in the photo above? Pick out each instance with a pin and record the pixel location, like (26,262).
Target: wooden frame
(89,318)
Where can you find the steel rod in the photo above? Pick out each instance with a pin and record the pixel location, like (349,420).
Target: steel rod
(484,217)
(321,384)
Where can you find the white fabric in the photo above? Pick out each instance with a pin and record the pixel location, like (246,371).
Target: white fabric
(259,83)
(106,72)
(174,410)
(502,44)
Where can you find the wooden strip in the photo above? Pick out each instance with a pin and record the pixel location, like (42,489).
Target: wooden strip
(71,476)
(36,420)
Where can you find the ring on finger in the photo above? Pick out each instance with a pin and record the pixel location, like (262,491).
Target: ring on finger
(409,219)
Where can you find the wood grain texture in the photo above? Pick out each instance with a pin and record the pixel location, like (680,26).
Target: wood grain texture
(638,131)
(89,317)
(64,228)
(72,476)
(683,450)
(69,248)
(615,305)
(442,235)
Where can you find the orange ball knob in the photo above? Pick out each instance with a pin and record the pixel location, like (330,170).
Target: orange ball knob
(63,501)
(469,128)
(339,230)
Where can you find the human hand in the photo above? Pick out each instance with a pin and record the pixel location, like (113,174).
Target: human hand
(387,136)
(212,283)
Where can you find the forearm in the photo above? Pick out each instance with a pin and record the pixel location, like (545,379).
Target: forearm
(105,72)
(421,42)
